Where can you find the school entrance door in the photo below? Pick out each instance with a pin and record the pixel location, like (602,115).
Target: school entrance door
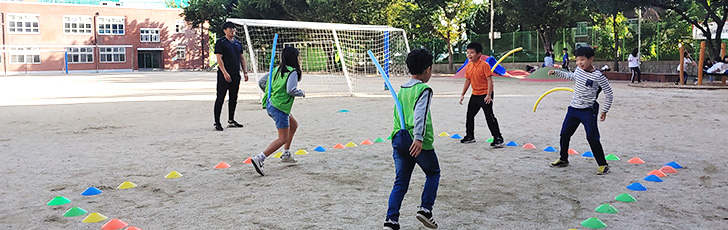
(150,59)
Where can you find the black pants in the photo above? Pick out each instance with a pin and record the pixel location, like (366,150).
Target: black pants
(588,117)
(636,72)
(223,87)
(476,103)
(565,66)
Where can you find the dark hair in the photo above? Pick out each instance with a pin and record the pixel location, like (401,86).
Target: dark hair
(418,61)
(566,49)
(547,54)
(584,51)
(227,25)
(290,58)
(634,52)
(476,46)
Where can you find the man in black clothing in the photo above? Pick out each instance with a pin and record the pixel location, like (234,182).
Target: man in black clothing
(229,54)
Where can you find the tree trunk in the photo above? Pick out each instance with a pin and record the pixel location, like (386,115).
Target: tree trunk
(449,57)
(616,43)
(545,36)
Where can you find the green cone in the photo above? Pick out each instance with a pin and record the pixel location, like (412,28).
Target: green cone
(389,137)
(625,197)
(75,211)
(611,157)
(59,200)
(593,223)
(606,208)
(379,140)
(490,140)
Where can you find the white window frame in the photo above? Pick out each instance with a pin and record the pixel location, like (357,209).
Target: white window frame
(79,21)
(26,23)
(28,53)
(111,21)
(83,54)
(183,51)
(180,26)
(149,33)
(115,53)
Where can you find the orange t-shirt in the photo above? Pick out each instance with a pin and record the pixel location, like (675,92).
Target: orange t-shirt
(478,72)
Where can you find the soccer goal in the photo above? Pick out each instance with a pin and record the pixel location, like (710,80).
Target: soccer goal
(334,54)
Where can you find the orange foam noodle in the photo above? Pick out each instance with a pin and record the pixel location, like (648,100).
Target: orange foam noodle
(636,160)
(657,173)
(339,146)
(222,165)
(573,152)
(247,161)
(367,142)
(668,169)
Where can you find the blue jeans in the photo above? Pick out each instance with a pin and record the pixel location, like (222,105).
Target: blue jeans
(404,164)
(588,117)
(279,117)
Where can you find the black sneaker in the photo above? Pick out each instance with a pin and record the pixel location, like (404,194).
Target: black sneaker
(425,216)
(391,225)
(559,163)
(498,142)
(218,127)
(467,140)
(234,124)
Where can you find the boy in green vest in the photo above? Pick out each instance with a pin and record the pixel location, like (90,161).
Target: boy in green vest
(413,143)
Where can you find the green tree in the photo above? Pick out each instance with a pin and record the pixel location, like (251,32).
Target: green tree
(611,11)
(448,18)
(700,13)
(544,16)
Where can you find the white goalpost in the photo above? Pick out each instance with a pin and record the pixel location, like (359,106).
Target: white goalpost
(333,53)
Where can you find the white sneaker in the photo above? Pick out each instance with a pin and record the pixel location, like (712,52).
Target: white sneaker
(258,164)
(287,158)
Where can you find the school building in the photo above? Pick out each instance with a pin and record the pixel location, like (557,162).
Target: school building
(51,38)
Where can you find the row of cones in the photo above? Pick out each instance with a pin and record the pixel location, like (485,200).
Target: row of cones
(113,224)
(653,176)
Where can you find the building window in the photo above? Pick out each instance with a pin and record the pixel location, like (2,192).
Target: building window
(179,26)
(77,24)
(80,55)
(23,23)
(181,52)
(149,35)
(112,54)
(111,25)
(24,55)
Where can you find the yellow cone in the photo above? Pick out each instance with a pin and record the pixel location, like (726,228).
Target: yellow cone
(301,152)
(278,155)
(350,144)
(173,174)
(444,134)
(94,217)
(126,185)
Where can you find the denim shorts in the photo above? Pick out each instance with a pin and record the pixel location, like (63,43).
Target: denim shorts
(281,119)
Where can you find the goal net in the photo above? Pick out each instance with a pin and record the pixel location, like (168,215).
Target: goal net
(333,56)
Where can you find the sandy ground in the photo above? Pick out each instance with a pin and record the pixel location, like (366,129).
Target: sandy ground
(62,134)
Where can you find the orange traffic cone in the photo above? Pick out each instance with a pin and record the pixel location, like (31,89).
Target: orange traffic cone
(657,173)
(636,160)
(222,165)
(339,146)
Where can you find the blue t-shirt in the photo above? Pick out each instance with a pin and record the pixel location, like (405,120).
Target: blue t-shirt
(230,51)
(565,59)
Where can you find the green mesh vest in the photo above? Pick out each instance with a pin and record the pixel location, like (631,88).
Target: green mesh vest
(408,98)
(279,96)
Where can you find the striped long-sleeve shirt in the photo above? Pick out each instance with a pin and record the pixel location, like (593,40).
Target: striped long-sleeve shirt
(586,88)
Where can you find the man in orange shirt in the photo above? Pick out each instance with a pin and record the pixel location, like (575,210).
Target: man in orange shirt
(479,75)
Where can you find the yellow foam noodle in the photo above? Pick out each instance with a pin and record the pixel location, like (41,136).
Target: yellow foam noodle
(505,56)
(550,91)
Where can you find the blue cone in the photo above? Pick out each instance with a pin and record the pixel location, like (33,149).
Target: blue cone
(512,143)
(587,154)
(550,149)
(636,187)
(90,191)
(456,136)
(343,111)
(319,149)
(674,165)
(653,178)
